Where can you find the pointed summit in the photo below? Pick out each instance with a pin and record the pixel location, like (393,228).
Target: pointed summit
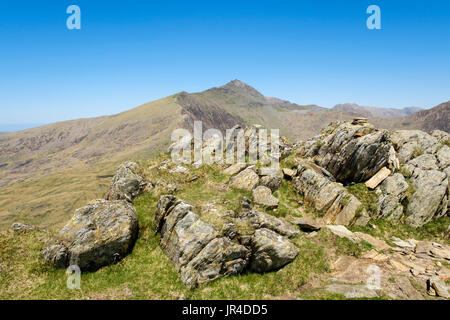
(241,88)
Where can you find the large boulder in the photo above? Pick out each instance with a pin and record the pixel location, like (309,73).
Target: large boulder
(98,234)
(247,179)
(220,257)
(126,185)
(351,152)
(263,197)
(271,251)
(331,199)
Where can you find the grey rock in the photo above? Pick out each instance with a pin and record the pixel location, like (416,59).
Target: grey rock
(21,227)
(246,179)
(332,199)
(278,225)
(271,182)
(57,255)
(271,251)
(430,201)
(443,157)
(263,197)
(393,192)
(235,168)
(220,257)
(439,286)
(360,147)
(99,234)
(126,185)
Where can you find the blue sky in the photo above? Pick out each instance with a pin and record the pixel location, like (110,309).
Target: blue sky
(131,52)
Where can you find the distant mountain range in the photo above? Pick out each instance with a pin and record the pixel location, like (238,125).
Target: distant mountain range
(370,112)
(48,171)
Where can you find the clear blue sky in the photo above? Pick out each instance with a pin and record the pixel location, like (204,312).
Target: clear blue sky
(131,52)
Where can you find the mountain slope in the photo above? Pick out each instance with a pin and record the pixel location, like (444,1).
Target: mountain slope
(437,118)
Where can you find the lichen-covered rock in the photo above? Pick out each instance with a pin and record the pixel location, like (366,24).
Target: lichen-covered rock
(430,201)
(188,236)
(99,234)
(247,179)
(393,191)
(410,143)
(126,185)
(201,253)
(263,197)
(57,255)
(220,257)
(352,153)
(330,198)
(271,251)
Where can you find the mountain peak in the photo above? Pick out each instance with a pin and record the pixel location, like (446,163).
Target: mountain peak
(237,83)
(243,89)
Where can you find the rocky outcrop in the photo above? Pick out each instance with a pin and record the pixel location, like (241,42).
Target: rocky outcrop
(98,234)
(201,253)
(126,185)
(350,152)
(329,198)
(357,152)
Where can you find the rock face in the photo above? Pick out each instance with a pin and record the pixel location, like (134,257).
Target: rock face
(330,198)
(99,234)
(270,251)
(202,254)
(350,152)
(126,185)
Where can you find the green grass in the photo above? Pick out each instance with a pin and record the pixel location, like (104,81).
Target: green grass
(343,245)
(144,274)
(434,230)
(289,200)
(368,198)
